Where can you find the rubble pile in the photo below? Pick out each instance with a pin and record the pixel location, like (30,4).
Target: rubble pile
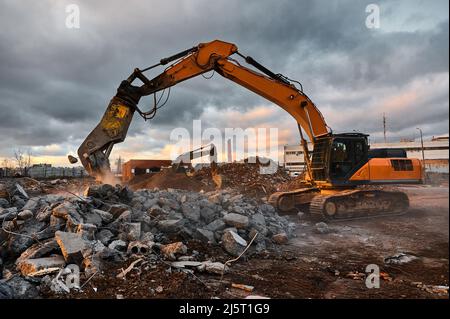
(293,183)
(18,190)
(168,178)
(111,224)
(246,178)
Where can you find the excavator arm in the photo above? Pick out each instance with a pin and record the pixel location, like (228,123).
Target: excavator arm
(187,158)
(95,150)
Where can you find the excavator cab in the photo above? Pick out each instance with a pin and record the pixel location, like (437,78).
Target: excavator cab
(336,157)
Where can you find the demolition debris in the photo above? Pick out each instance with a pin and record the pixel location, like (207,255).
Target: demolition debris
(42,235)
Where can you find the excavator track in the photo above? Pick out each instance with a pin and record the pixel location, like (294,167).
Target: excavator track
(286,202)
(358,204)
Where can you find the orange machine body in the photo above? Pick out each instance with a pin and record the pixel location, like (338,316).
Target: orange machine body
(390,170)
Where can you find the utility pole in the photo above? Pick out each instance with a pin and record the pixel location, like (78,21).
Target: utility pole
(119,165)
(423,151)
(384,127)
(421,142)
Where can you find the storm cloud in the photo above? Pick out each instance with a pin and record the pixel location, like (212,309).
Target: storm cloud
(55,82)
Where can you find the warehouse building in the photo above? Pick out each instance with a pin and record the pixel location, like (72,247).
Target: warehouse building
(140,167)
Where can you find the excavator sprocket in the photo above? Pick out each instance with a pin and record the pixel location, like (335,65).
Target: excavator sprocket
(356,204)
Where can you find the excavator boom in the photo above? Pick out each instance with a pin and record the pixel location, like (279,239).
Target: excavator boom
(95,150)
(339,164)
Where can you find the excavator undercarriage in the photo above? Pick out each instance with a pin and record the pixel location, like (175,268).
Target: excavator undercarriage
(337,204)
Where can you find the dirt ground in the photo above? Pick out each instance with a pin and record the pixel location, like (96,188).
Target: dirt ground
(315,265)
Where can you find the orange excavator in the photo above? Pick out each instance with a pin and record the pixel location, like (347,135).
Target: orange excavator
(210,151)
(341,173)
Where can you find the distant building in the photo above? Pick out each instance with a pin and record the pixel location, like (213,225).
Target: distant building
(436,154)
(294,162)
(7,172)
(48,171)
(140,167)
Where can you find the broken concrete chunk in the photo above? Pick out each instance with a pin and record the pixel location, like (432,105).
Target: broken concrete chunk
(32,204)
(105,236)
(280,238)
(236,220)
(147,237)
(72,246)
(8,214)
(94,247)
(112,255)
(186,258)
(215,267)
(258,219)
(53,198)
(119,245)
(30,229)
(216,225)
(322,228)
(138,248)
(132,231)
(105,216)
(170,225)
(25,214)
(39,250)
(234,229)
(186,264)
(87,231)
(125,193)
(3,203)
(125,217)
(92,218)
(236,198)
(167,202)
(399,259)
(216,198)
(23,289)
(69,212)
(233,243)
(191,211)
(99,191)
(21,191)
(118,209)
(208,214)
(56,221)
(4,191)
(205,235)
(6,291)
(156,211)
(34,265)
(91,265)
(171,250)
(43,215)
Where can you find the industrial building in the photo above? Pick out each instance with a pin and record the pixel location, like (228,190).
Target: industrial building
(435,152)
(140,167)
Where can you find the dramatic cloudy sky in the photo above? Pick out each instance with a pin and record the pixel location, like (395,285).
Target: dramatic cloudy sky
(55,82)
